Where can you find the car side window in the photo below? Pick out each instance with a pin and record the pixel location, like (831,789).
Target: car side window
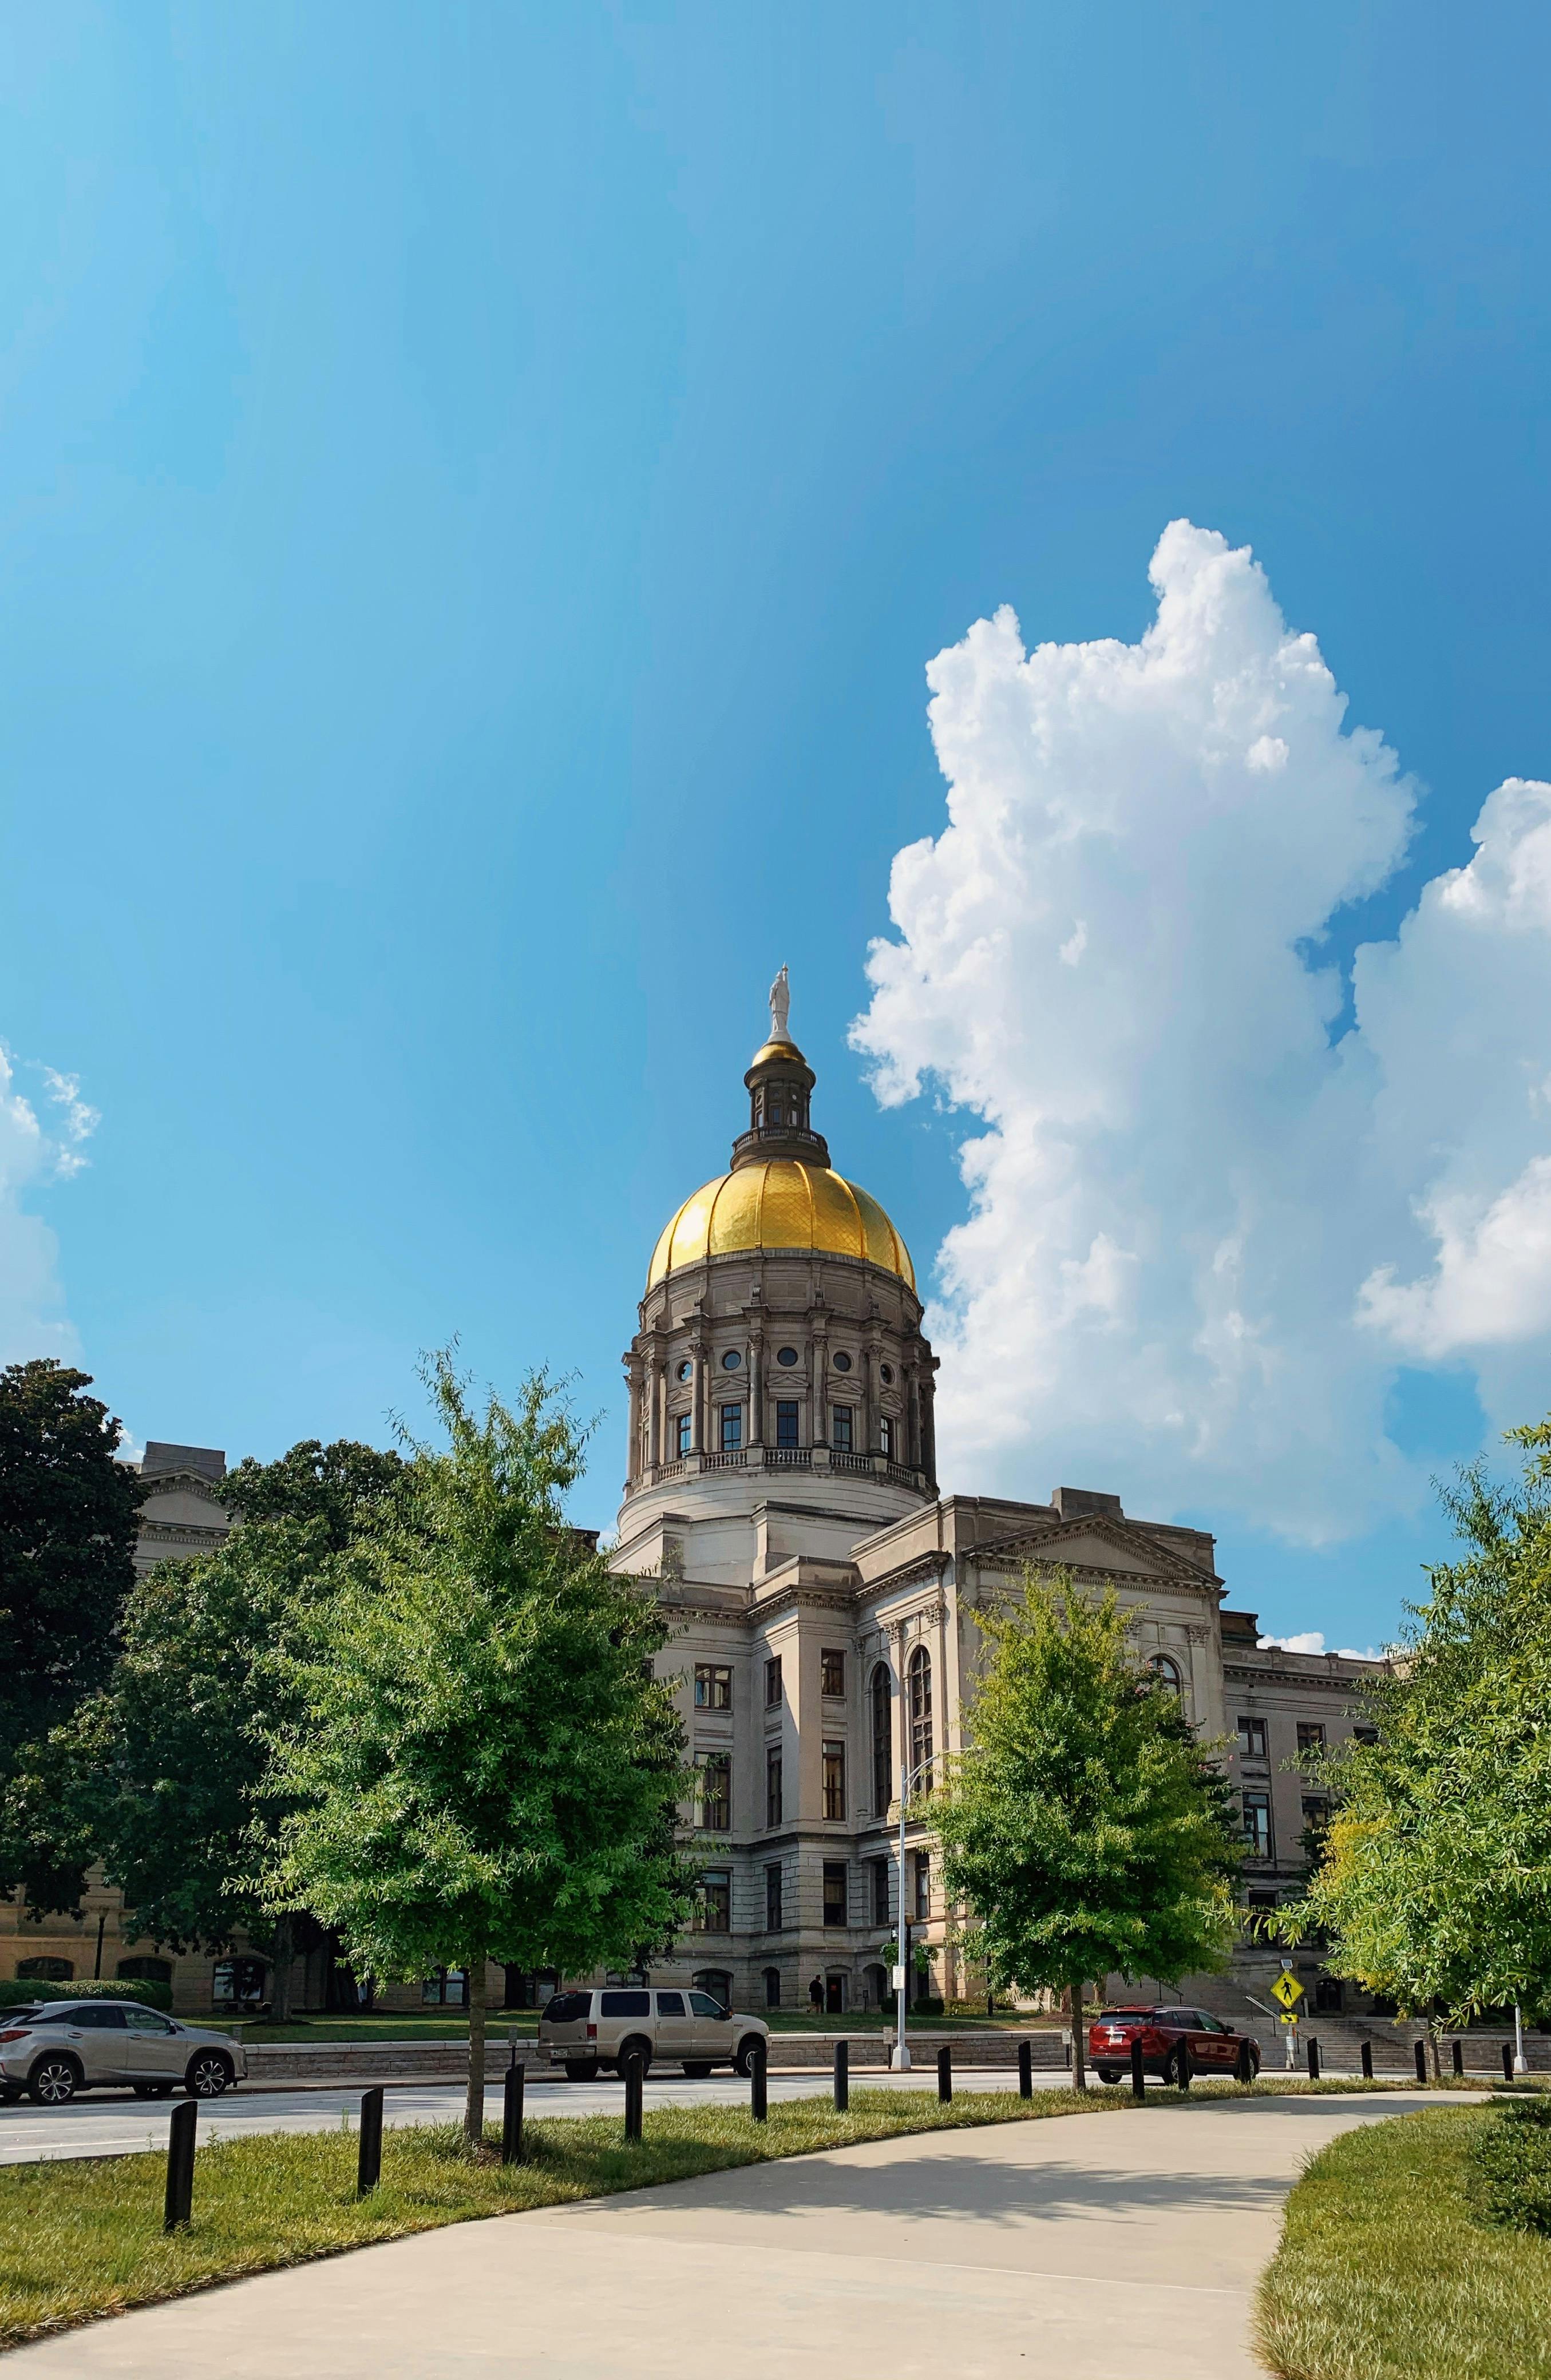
(703,2005)
(670,2004)
(141,2019)
(98,2019)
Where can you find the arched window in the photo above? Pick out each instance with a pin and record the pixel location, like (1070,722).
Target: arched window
(239,1983)
(1165,1667)
(882,1742)
(145,1970)
(772,1987)
(921,1713)
(44,1971)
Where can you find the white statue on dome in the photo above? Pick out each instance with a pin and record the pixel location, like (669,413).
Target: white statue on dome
(781,1007)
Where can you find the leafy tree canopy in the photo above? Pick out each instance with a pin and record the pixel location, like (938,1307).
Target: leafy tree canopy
(347,1487)
(1084,1826)
(486,1767)
(1435,1883)
(67,1520)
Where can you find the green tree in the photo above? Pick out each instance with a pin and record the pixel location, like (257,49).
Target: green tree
(1085,1829)
(486,1767)
(69,1513)
(1434,1887)
(163,1774)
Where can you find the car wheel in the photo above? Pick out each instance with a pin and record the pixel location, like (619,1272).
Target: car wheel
(53,2081)
(1174,2065)
(635,2048)
(209,2074)
(697,2068)
(1108,2073)
(581,2069)
(748,2051)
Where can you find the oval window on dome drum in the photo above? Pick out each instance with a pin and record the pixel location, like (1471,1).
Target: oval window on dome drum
(732,1360)
(843,1362)
(787,1355)
(685,1371)
(885,1373)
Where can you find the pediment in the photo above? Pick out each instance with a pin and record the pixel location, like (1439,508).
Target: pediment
(183,1501)
(1092,1542)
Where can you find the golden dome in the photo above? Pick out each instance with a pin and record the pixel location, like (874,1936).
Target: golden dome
(778,1204)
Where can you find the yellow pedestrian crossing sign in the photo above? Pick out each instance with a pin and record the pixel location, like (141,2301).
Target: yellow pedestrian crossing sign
(1289,1990)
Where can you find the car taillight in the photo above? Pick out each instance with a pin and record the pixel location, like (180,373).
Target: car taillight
(592,2033)
(16,2033)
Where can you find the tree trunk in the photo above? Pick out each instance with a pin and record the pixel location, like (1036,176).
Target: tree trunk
(1079,2047)
(280,1992)
(474,2107)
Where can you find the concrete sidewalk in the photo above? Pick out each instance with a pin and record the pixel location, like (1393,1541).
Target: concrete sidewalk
(1118,2247)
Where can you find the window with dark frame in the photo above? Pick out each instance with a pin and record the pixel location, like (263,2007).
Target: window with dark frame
(713,1903)
(1316,1817)
(713,1686)
(1258,1824)
(923,1880)
(1252,1737)
(774,1810)
(831,1671)
(886,1437)
(840,1420)
(1364,1735)
(714,1798)
(685,1433)
(773,1681)
(920,1675)
(882,1740)
(1311,1735)
(772,1901)
(834,1892)
(787,1414)
(731,1429)
(772,1987)
(882,1915)
(834,1780)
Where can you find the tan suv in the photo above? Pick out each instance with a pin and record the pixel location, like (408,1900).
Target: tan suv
(62,2046)
(583,2031)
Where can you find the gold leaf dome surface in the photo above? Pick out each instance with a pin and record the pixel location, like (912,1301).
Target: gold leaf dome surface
(780,1204)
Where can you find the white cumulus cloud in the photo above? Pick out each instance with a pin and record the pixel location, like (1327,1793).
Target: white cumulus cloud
(1202,1230)
(32,1320)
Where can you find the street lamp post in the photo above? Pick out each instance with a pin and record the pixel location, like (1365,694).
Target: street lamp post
(908,1782)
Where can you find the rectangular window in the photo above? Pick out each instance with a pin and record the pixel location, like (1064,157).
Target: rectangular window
(787,1410)
(841,1419)
(834,1780)
(880,1891)
(773,1681)
(886,1437)
(1252,1738)
(774,1809)
(834,1892)
(831,1672)
(1364,1734)
(1258,1824)
(713,1687)
(731,1429)
(714,1800)
(923,1888)
(1311,1735)
(685,1433)
(772,1901)
(713,1904)
(1316,1817)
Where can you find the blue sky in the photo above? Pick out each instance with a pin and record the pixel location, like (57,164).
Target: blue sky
(482,487)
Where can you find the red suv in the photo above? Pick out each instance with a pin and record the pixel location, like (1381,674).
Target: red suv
(1165,2032)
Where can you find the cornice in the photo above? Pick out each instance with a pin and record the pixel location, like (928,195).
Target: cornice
(929,1565)
(1036,1546)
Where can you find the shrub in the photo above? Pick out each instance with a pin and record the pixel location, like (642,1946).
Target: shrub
(26,1994)
(1511,2167)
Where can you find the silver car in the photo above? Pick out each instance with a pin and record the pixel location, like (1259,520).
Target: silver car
(583,2029)
(62,2046)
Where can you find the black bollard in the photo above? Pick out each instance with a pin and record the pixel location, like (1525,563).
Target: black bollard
(1421,2061)
(511,2115)
(945,2074)
(843,2077)
(1138,2071)
(180,2165)
(1459,2049)
(1182,2066)
(633,2082)
(1313,2059)
(757,2066)
(1244,2071)
(1368,2061)
(1026,2071)
(368,2154)
(1508,2061)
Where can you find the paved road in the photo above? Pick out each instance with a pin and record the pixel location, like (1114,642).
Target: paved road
(118,2125)
(1093,2248)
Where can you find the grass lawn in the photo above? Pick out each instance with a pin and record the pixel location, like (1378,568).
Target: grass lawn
(85,2238)
(1381,2274)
